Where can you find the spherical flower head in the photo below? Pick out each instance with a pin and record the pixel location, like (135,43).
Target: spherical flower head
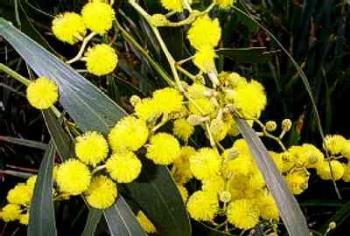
(91,148)
(101,193)
(181,168)
(183,192)
(183,129)
(243,214)
(98,16)
(172,5)
(325,170)
(197,90)
(267,207)
(202,107)
(73,177)
(204,33)
(203,205)
(164,149)
(42,93)
(250,99)
(313,156)
(129,133)
(168,100)
(101,59)
(334,143)
(145,223)
(10,212)
(345,152)
(21,194)
(24,218)
(206,163)
(31,181)
(215,184)
(231,79)
(68,27)
(241,165)
(297,181)
(224,4)
(147,109)
(277,159)
(124,167)
(204,59)
(218,129)
(346,175)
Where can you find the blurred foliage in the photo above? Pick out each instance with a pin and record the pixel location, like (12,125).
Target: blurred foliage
(316,32)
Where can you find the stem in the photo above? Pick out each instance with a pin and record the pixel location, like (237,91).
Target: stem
(14,74)
(82,48)
(144,53)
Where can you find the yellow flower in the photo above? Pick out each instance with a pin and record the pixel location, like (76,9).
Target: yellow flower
(129,133)
(243,214)
(21,194)
(231,79)
(31,181)
(42,93)
(204,33)
(277,159)
(10,212)
(346,175)
(172,5)
(183,129)
(181,168)
(206,163)
(98,17)
(91,148)
(145,223)
(297,181)
(101,59)
(267,207)
(345,152)
(73,177)
(147,109)
(204,59)
(306,155)
(168,100)
(214,184)
(225,3)
(250,99)
(197,90)
(68,27)
(124,167)
(101,193)
(24,218)
(325,172)
(334,143)
(218,129)
(183,192)
(203,205)
(202,107)
(163,149)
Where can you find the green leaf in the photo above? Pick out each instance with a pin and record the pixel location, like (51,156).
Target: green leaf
(247,55)
(63,143)
(92,221)
(86,104)
(42,215)
(92,110)
(118,215)
(24,142)
(290,211)
(164,209)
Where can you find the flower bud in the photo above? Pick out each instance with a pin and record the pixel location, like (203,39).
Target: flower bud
(134,99)
(286,125)
(271,126)
(332,225)
(159,20)
(225,196)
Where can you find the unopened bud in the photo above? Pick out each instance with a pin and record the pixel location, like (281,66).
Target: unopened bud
(225,196)
(332,225)
(286,125)
(271,126)
(159,20)
(196,120)
(134,99)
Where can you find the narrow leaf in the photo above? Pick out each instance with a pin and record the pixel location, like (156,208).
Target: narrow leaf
(290,211)
(118,215)
(92,221)
(63,143)
(42,216)
(164,209)
(24,142)
(247,55)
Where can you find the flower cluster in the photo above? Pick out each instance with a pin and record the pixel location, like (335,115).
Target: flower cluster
(18,202)
(71,27)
